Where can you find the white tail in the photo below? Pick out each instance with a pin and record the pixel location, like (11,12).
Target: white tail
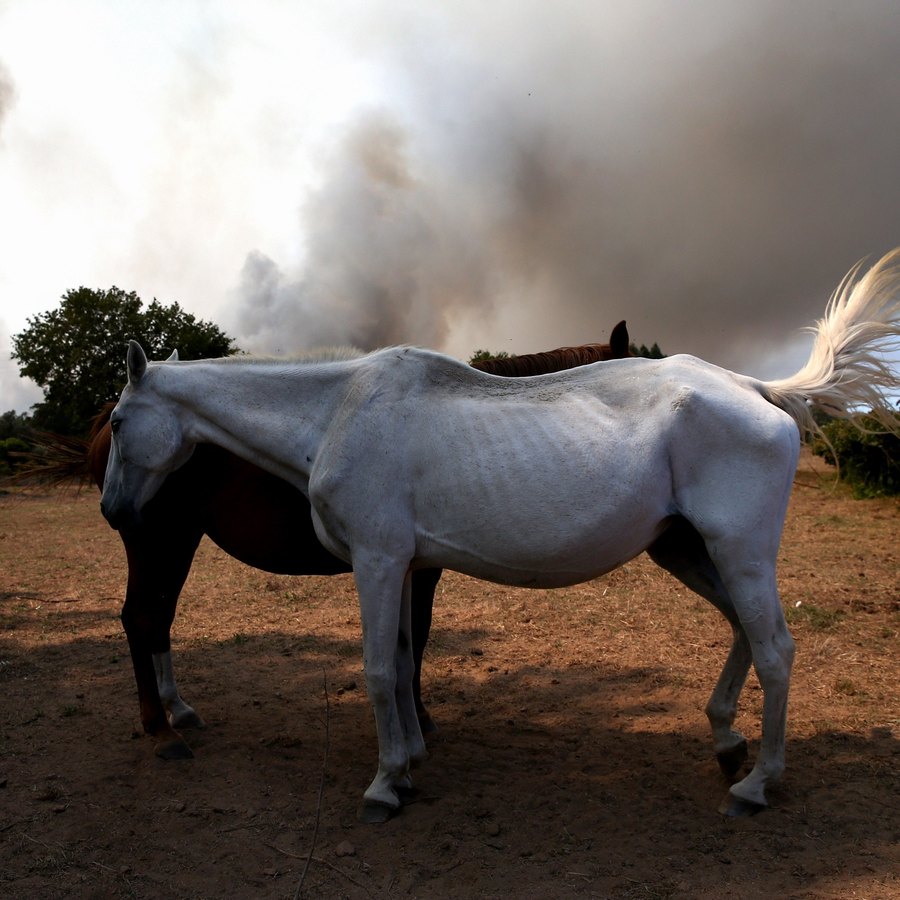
(847,371)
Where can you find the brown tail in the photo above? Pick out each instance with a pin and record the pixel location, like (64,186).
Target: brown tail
(54,459)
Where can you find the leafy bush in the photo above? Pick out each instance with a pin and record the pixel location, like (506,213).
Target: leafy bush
(9,447)
(483,355)
(647,352)
(869,460)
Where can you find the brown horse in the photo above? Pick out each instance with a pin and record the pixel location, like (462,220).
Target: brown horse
(258,519)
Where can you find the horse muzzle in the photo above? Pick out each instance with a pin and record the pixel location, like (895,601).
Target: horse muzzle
(120,518)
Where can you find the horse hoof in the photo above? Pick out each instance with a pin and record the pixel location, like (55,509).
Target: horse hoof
(737,808)
(730,761)
(174,749)
(371,812)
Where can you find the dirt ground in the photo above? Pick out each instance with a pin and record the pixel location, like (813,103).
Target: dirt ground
(573,759)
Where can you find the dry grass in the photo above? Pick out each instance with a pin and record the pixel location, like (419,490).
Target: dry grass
(573,758)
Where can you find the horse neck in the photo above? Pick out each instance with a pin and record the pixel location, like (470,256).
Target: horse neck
(271,414)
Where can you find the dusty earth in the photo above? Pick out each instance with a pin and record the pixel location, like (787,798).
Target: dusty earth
(573,758)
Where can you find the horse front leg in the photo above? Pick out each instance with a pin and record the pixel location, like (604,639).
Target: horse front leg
(159,560)
(142,629)
(179,713)
(407,667)
(424,584)
(384,597)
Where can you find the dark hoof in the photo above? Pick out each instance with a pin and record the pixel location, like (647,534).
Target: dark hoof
(737,808)
(371,812)
(173,749)
(730,761)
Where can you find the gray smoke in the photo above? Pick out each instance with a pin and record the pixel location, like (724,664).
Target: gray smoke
(707,173)
(386,258)
(7,94)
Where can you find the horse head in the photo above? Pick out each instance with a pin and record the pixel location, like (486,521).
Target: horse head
(148,443)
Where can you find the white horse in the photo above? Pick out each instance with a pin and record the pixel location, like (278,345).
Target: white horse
(412,459)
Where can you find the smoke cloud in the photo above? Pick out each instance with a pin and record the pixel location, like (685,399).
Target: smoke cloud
(708,173)
(386,256)
(7,94)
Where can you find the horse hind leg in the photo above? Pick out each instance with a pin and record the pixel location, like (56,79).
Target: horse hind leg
(752,587)
(733,494)
(745,563)
(424,584)
(680,550)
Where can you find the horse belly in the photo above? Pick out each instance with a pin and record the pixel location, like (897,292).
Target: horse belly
(541,562)
(543,525)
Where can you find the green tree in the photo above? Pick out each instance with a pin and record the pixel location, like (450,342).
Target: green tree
(648,353)
(13,424)
(15,437)
(9,447)
(76,353)
(482,355)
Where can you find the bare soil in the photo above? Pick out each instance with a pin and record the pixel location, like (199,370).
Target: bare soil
(573,758)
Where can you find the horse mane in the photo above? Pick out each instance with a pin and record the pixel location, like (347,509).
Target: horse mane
(98,423)
(559,359)
(317,354)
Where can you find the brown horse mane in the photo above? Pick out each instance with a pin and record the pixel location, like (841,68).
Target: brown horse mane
(98,423)
(561,358)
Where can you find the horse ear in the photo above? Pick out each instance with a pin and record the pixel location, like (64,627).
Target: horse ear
(173,357)
(136,362)
(618,341)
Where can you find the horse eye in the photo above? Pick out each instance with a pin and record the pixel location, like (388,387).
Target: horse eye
(115,425)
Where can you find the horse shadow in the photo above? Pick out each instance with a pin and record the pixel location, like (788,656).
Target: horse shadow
(568,756)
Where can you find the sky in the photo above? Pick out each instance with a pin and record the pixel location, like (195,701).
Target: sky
(454,174)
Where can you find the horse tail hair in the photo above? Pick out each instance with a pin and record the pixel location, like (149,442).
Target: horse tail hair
(847,372)
(57,459)
(53,459)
